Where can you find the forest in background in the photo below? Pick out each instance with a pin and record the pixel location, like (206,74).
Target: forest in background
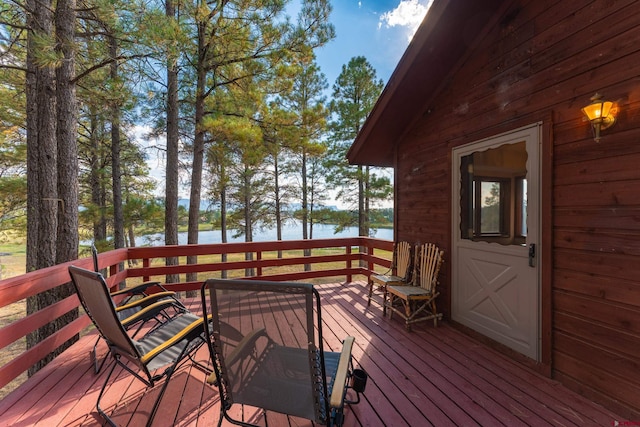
(253,124)
(230,87)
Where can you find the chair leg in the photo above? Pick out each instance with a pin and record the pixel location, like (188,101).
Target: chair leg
(162,390)
(435,314)
(94,357)
(389,304)
(408,313)
(104,386)
(221,415)
(370,292)
(384,302)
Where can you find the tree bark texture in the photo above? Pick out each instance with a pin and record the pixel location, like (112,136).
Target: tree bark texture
(66,131)
(198,153)
(305,207)
(171,189)
(276,199)
(223,219)
(248,219)
(116,173)
(67,165)
(96,182)
(42,239)
(33,195)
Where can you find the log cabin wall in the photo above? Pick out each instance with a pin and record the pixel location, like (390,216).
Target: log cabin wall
(542,61)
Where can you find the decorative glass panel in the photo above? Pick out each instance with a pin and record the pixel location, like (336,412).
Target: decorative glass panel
(493,197)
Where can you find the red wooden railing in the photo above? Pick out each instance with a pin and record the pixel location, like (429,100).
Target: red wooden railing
(148,263)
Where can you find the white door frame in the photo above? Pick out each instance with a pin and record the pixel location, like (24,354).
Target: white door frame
(532,134)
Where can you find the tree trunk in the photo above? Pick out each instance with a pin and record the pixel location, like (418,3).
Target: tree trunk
(96,182)
(41,246)
(311,207)
(103,205)
(223,217)
(132,236)
(367,201)
(305,207)
(248,220)
(32,106)
(118,214)
(362,216)
(67,141)
(171,189)
(198,154)
(66,131)
(361,213)
(276,195)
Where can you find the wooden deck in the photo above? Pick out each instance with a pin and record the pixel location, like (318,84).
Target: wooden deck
(431,376)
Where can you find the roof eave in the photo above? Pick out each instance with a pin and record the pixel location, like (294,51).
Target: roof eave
(430,58)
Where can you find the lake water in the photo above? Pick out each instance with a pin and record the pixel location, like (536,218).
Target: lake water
(291,231)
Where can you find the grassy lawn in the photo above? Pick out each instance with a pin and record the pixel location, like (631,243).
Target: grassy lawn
(12,259)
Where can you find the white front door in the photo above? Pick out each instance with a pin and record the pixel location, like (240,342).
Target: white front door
(495,283)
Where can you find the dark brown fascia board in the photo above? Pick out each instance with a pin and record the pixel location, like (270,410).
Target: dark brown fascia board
(443,39)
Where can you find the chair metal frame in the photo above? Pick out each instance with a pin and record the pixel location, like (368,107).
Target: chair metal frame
(416,302)
(140,290)
(167,346)
(139,307)
(248,364)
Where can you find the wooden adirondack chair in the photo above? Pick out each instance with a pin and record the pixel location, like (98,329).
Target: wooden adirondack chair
(416,302)
(398,274)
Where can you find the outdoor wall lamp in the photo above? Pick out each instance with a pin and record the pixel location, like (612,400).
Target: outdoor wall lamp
(601,114)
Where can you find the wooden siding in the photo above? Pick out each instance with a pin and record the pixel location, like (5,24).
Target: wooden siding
(545,59)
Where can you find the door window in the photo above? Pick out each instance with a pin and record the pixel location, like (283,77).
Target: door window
(493,197)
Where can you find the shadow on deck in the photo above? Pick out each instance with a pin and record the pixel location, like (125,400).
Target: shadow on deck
(431,376)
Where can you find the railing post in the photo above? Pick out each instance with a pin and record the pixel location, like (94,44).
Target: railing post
(370,264)
(349,276)
(259,258)
(146,263)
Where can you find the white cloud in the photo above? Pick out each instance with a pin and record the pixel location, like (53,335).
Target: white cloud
(409,14)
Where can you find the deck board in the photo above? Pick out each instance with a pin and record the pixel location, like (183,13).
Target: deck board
(431,376)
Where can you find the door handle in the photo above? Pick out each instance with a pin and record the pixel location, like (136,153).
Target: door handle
(532,255)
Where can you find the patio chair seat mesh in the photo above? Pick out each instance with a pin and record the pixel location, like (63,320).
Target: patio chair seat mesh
(162,334)
(280,381)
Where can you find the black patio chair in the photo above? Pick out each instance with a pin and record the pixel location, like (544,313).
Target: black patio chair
(167,346)
(279,364)
(139,306)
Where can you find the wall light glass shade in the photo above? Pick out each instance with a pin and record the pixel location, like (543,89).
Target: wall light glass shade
(601,114)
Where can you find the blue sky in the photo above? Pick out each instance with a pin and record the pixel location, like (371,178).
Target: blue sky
(379,30)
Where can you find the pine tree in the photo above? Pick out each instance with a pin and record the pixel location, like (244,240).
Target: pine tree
(354,94)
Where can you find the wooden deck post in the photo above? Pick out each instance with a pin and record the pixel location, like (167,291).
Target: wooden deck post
(349,276)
